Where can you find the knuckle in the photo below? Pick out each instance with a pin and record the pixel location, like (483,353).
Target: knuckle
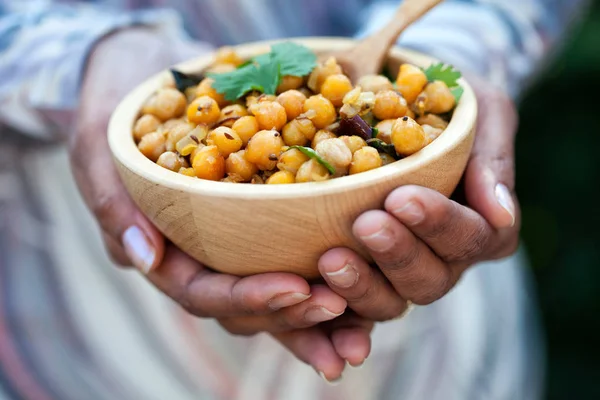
(235,328)
(435,289)
(391,311)
(404,258)
(470,248)
(104,207)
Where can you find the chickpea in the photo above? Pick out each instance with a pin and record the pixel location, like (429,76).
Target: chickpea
(325,111)
(152,145)
(432,120)
(246,127)
(386,159)
(306,92)
(209,164)
(170,160)
(226,140)
(232,113)
(411,114)
(335,88)
(289,82)
(389,105)
(147,123)
(320,136)
(281,178)
(354,143)
(205,89)
(312,171)
(365,159)
(408,136)
(385,130)
(438,98)
(375,83)
(173,122)
(166,103)
(291,160)
(252,99)
(204,110)
(410,81)
(227,55)
(179,131)
(187,172)
(221,68)
(238,164)
(293,134)
(431,132)
(293,102)
(269,115)
(336,153)
(264,149)
(322,72)
(196,151)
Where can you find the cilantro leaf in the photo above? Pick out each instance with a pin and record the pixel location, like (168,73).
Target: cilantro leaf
(443,72)
(374,132)
(383,147)
(309,152)
(457,92)
(295,59)
(252,76)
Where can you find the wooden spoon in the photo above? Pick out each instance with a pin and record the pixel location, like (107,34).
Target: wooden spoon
(368,56)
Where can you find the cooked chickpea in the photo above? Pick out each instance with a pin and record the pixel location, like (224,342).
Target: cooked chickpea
(204,110)
(385,130)
(432,120)
(269,115)
(232,113)
(238,164)
(312,171)
(336,153)
(438,98)
(354,143)
(335,88)
(258,98)
(408,136)
(320,136)
(431,132)
(321,72)
(227,55)
(187,172)
(293,134)
(147,123)
(410,81)
(221,68)
(293,102)
(389,105)
(246,127)
(375,83)
(209,164)
(289,82)
(281,178)
(226,140)
(170,160)
(291,160)
(365,159)
(152,145)
(205,89)
(196,151)
(325,114)
(165,104)
(264,149)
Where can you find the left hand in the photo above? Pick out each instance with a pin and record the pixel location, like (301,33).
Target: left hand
(423,241)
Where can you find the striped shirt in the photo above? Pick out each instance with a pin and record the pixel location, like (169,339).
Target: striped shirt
(74,327)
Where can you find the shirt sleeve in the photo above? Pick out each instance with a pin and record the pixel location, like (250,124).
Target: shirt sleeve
(43,51)
(505,41)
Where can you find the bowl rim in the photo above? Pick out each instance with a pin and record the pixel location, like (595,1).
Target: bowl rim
(125,151)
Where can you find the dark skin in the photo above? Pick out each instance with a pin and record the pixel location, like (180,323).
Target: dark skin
(420,251)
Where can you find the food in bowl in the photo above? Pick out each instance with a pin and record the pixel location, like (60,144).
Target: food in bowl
(283,117)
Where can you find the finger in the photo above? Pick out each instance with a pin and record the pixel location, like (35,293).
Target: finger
(416,273)
(116,251)
(323,305)
(365,288)
(351,337)
(313,347)
(489,176)
(457,234)
(105,195)
(213,295)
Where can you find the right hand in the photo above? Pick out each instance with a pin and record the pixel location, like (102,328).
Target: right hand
(282,304)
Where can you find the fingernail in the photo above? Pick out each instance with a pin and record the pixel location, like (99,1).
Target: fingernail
(355,366)
(379,241)
(286,300)
(411,213)
(138,249)
(409,307)
(343,278)
(505,200)
(334,382)
(319,314)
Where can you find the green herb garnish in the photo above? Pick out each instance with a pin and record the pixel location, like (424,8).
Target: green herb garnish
(447,74)
(374,132)
(383,147)
(264,72)
(309,152)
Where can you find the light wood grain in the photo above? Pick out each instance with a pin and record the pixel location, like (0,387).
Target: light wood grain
(245,229)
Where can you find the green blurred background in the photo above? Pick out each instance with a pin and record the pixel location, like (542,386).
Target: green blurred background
(558,175)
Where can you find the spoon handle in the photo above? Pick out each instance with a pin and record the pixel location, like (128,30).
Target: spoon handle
(408,12)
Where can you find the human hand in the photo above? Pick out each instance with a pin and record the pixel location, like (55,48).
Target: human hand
(280,303)
(423,242)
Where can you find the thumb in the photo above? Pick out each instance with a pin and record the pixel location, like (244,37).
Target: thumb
(490,174)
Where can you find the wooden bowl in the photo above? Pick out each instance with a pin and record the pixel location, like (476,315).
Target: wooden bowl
(245,229)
